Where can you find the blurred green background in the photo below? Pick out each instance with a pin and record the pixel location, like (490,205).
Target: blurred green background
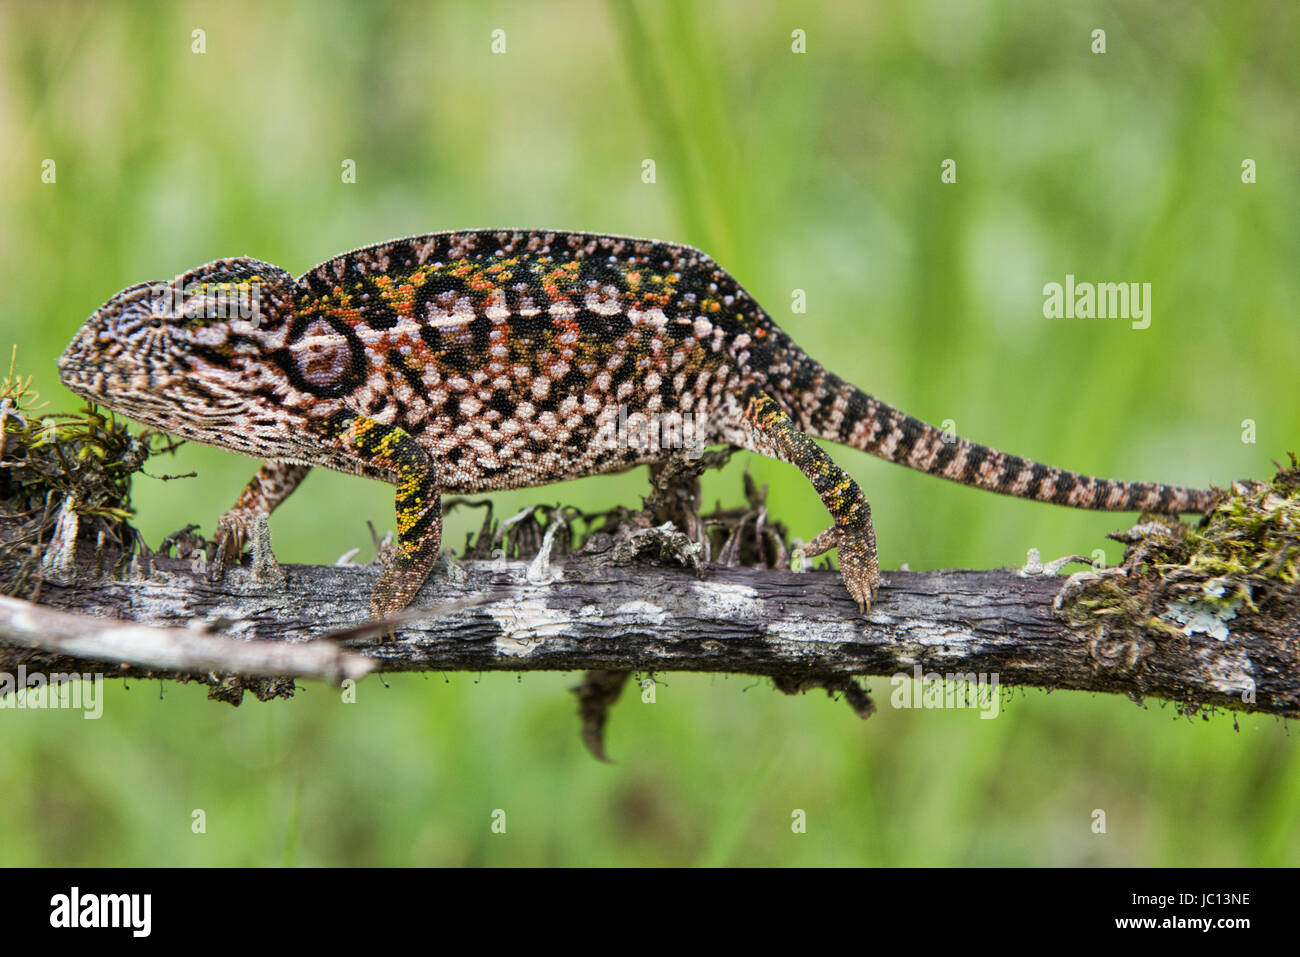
(817,171)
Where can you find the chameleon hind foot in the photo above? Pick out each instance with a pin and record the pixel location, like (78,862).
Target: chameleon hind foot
(858,566)
(769,430)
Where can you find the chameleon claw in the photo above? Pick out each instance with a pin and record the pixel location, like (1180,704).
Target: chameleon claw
(233,530)
(858,567)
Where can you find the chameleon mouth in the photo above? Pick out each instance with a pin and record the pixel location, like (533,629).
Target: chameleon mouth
(132,394)
(97,366)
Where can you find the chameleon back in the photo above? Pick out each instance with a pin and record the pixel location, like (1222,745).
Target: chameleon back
(517,358)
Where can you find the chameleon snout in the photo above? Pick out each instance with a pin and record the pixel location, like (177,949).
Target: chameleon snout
(118,340)
(76,367)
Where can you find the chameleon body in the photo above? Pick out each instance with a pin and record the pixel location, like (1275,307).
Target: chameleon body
(473,361)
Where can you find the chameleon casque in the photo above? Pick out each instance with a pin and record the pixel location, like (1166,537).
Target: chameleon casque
(474,361)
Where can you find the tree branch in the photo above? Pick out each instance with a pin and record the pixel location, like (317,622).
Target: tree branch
(588,611)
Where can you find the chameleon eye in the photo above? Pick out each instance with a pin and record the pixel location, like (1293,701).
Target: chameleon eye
(210,334)
(322,358)
(325,357)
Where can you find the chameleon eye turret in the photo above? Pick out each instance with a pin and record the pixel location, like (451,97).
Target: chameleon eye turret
(475,361)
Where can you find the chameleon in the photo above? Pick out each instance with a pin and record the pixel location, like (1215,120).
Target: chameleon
(474,361)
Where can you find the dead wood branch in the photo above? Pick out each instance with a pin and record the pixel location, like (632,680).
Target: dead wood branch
(586,612)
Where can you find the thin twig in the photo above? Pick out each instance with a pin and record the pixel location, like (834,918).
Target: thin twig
(172,649)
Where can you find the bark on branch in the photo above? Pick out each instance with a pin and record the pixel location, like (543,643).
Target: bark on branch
(589,611)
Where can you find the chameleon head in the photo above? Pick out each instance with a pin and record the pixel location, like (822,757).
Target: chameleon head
(181,356)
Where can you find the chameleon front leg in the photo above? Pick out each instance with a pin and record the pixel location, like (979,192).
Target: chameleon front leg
(770,431)
(418,502)
(272,484)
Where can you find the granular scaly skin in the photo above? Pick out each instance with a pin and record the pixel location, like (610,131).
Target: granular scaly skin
(473,361)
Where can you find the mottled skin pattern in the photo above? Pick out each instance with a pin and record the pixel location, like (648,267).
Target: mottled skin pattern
(472,361)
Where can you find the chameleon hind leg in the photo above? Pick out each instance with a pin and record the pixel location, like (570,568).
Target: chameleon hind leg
(273,483)
(418,503)
(771,432)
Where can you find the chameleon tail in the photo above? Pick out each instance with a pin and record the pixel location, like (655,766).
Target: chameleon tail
(845,414)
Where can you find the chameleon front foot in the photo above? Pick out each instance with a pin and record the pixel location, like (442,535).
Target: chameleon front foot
(859,568)
(271,485)
(398,582)
(234,529)
(418,504)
